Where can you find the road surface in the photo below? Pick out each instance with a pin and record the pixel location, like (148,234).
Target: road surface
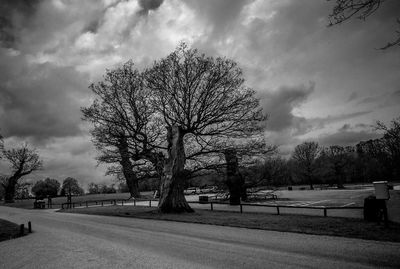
(62,240)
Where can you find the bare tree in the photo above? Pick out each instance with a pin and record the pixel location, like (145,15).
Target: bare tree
(200,96)
(70,186)
(339,158)
(346,9)
(125,127)
(391,144)
(23,161)
(305,156)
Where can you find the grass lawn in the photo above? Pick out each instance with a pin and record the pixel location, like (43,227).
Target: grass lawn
(346,227)
(9,230)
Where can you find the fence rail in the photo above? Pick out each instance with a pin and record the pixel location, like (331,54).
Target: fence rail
(241,205)
(104,202)
(324,209)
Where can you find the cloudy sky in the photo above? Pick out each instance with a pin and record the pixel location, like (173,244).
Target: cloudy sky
(327,84)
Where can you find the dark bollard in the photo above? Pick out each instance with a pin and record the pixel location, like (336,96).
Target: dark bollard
(21,229)
(122,202)
(325,213)
(29,227)
(277,210)
(149,203)
(134,202)
(86,204)
(241,208)
(101,203)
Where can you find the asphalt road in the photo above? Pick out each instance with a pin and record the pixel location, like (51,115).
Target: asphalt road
(62,240)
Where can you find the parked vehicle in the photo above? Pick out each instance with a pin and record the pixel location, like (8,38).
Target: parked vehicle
(209,189)
(191,190)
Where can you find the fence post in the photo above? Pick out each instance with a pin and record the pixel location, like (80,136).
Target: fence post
(149,203)
(21,229)
(134,202)
(115,201)
(122,202)
(325,213)
(212,207)
(102,203)
(277,210)
(29,226)
(241,208)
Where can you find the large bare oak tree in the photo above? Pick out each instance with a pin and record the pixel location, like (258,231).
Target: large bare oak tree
(200,96)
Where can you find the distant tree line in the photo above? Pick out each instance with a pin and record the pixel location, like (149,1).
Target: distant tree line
(367,161)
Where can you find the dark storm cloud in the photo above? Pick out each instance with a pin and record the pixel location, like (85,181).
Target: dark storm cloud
(345,127)
(39,101)
(279,106)
(221,14)
(319,123)
(346,138)
(147,5)
(352,97)
(14,15)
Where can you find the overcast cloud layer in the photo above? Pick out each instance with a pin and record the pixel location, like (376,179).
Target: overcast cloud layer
(327,84)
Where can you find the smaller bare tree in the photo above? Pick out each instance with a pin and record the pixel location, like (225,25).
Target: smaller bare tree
(24,161)
(305,156)
(339,158)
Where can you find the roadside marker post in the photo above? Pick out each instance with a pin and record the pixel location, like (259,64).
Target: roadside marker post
(29,227)
(21,229)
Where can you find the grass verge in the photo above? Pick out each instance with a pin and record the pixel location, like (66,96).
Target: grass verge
(344,227)
(9,230)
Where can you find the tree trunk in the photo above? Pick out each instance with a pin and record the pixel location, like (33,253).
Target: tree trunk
(310,181)
(9,190)
(158,160)
(340,182)
(127,168)
(172,198)
(234,180)
(310,177)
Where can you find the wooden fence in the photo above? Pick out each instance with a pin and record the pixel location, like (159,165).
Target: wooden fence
(323,209)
